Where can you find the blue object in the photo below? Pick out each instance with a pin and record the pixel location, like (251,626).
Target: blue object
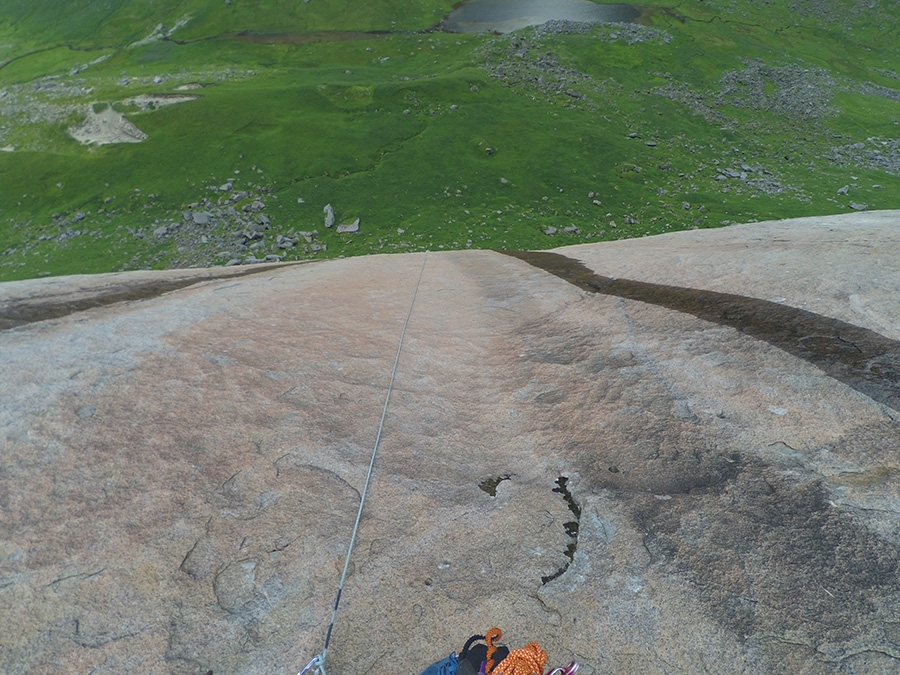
(446,667)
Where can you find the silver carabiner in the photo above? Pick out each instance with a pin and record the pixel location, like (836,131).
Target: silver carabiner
(315,663)
(571,669)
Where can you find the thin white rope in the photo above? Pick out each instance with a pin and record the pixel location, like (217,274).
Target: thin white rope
(319,661)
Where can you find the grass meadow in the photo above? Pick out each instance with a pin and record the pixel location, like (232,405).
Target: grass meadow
(728,112)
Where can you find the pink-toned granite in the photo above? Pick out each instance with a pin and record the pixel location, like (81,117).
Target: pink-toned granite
(182,454)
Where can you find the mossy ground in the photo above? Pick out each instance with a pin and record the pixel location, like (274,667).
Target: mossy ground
(415,133)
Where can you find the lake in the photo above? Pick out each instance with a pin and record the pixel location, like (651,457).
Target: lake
(503,16)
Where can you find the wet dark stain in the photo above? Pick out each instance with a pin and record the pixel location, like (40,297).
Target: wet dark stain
(769,554)
(649,439)
(33,310)
(860,358)
(489,485)
(571,527)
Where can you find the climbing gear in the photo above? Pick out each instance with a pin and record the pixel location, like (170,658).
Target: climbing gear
(310,666)
(492,634)
(570,669)
(319,661)
(448,666)
(472,659)
(529,660)
(494,659)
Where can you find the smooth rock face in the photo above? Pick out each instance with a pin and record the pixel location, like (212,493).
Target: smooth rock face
(182,455)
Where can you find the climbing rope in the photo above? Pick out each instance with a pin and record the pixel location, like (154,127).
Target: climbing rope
(492,634)
(318,662)
(494,659)
(529,660)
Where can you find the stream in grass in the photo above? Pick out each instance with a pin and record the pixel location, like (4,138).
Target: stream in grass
(503,16)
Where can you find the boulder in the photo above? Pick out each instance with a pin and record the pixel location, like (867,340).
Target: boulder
(668,454)
(202,217)
(329,215)
(349,227)
(285,242)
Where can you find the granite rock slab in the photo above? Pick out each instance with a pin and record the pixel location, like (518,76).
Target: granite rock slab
(676,454)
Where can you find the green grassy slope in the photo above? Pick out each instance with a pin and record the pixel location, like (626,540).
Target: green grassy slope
(711,113)
(89,24)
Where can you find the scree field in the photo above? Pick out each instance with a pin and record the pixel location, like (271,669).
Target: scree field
(138,134)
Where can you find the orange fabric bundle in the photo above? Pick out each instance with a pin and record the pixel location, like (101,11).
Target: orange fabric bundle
(529,660)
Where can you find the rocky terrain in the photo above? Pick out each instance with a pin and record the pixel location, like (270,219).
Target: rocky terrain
(27,110)
(669,454)
(227,225)
(520,60)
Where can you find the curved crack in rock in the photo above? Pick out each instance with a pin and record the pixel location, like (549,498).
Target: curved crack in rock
(858,357)
(571,527)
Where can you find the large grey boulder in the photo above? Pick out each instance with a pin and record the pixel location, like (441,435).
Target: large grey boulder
(671,454)
(348,227)
(202,217)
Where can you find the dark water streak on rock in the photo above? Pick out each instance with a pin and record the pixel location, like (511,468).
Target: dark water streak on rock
(858,357)
(19,312)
